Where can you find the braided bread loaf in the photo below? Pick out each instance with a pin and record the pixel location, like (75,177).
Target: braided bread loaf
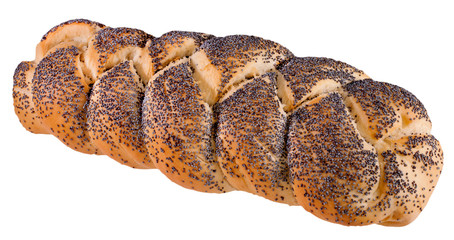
(217,114)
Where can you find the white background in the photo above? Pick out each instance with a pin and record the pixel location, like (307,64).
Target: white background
(48,191)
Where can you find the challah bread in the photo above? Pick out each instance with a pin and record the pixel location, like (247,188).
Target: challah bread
(217,114)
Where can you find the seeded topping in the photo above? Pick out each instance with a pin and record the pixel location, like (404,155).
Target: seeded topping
(108,41)
(22,95)
(19,77)
(232,54)
(340,177)
(333,168)
(412,165)
(22,88)
(250,140)
(60,95)
(217,114)
(178,127)
(242,47)
(385,107)
(169,44)
(310,76)
(114,116)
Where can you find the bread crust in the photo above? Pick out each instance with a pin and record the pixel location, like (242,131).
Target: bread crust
(114,116)
(307,77)
(217,114)
(178,125)
(223,62)
(22,94)
(78,31)
(250,138)
(60,93)
(111,46)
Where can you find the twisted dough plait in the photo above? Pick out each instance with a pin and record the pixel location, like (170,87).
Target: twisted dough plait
(217,114)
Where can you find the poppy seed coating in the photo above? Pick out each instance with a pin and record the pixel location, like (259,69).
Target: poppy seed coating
(60,95)
(172,43)
(23,102)
(309,76)
(110,45)
(250,141)
(178,126)
(114,116)
(218,114)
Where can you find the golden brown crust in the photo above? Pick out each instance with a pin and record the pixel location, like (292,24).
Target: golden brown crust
(168,48)
(217,114)
(178,125)
(22,95)
(174,45)
(412,166)
(60,94)
(383,109)
(77,31)
(114,116)
(110,46)
(250,145)
(334,170)
(307,77)
(352,166)
(225,61)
